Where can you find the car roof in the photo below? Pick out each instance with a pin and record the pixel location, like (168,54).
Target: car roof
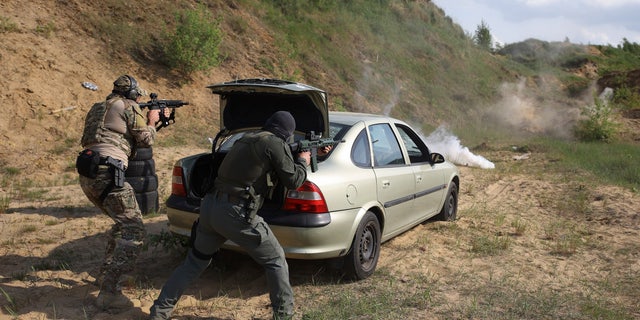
(351,118)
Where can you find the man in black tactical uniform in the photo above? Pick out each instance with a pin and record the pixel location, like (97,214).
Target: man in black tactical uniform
(228,211)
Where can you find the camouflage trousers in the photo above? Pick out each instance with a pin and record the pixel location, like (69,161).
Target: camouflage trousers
(127,233)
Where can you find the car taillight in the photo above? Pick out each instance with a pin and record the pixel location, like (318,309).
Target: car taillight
(307,198)
(177,187)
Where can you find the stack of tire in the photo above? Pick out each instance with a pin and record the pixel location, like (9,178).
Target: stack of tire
(141,175)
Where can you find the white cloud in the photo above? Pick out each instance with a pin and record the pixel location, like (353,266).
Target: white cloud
(582,21)
(611,3)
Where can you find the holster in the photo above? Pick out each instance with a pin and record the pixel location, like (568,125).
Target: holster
(254,204)
(117,170)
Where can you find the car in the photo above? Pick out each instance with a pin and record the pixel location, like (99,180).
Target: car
(378,180)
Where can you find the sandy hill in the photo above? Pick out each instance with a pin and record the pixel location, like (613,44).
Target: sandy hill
(46,55)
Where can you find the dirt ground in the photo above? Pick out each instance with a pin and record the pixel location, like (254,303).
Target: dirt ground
(52,247)
(564,236)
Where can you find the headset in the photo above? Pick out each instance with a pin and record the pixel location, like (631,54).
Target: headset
(132,92)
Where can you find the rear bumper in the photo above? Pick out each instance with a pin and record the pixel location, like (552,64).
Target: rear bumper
(332,239)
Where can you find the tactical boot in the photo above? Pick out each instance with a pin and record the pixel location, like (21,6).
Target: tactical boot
(113,301)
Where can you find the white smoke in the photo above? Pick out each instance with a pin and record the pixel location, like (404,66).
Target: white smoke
(446,143)
(521,110)
(606,95)
(441,140)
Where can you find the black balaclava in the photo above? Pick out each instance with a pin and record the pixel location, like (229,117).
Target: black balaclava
(281,124)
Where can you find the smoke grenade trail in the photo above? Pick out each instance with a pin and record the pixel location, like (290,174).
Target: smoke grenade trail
(447,144)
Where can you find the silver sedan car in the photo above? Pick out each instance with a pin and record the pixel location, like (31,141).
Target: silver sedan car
(378,181)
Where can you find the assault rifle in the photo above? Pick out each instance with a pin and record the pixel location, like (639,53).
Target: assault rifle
(155,104)
(311,143)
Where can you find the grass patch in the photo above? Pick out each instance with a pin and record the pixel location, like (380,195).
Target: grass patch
(165,240)
(31,194)
(28,228)
(487,245)
(5,201)
(11,171)
(51,222)
(383,296)
(46,30)
(614,163)
(509,299)
(519,227)
(6,25)
(566,238)
(11,305)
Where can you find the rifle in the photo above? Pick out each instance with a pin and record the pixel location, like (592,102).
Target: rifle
(155,104)
(311,143)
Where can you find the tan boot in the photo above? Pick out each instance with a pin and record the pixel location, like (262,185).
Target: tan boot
(110,301)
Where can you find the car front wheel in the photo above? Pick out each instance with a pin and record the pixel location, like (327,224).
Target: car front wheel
(365,249)
(450,207)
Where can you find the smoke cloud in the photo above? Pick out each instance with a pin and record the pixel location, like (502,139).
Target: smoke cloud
(446,143)
(441,140)
(521,111)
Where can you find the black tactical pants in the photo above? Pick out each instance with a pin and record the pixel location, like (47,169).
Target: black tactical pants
(221,220)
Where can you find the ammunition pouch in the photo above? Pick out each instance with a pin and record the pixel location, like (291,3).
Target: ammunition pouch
(87,163)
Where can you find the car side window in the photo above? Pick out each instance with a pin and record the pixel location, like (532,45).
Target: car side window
(417,150)
(360,153)
(386,150)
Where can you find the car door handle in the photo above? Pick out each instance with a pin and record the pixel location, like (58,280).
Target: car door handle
(386,183)
(418,179)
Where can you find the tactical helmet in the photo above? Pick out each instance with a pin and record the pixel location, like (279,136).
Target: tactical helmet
(127,86)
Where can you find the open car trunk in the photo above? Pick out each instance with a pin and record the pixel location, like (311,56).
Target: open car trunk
(245,105)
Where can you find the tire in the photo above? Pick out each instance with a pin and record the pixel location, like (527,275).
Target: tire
(450,206)
(363,256)
(143,184)
(142,154)
(141,168)
(148,202)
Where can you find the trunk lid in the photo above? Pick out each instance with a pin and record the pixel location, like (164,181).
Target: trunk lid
(246,104)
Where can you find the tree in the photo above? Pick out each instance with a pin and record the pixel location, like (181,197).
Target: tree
(482,38)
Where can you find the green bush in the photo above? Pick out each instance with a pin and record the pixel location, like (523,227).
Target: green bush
(598,125)
(626,97)
(194,45)
(6,25)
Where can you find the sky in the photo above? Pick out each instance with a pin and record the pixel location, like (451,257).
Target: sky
(580,21)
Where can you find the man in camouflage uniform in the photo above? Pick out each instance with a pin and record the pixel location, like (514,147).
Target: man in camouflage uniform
(255,162)
(114,128)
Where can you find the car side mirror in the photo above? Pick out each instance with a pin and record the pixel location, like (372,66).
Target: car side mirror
(436,158)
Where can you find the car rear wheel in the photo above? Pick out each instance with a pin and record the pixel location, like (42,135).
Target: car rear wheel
(365,249)
(450,207)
